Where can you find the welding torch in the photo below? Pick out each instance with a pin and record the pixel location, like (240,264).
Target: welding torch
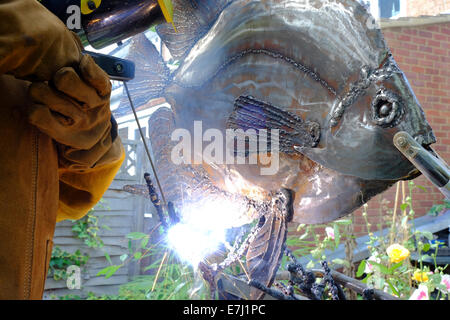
(101,23)
(426,160)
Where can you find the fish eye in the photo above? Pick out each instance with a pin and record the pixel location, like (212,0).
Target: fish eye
(387,109)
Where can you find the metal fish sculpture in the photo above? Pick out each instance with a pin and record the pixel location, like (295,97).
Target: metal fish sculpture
(319,71)
(316,70)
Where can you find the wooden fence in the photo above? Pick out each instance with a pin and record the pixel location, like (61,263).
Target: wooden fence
(122,213)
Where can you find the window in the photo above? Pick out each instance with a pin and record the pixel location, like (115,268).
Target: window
(386,9)
(389,8)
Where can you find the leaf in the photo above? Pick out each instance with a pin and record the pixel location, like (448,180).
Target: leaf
(112,271)
(137,255)
(436,278)
(108,258)
(421,187)
(123,257)
(394,290)
(304,236)
(341,262)
(427,234)
(344,222)
(382,268)
(293,242)
(154,265)
(442,287)
(136,235)
(178,288)
(337,235)
(361,268)
(426,247)
(144,242)
(403,206)
(395,267)
(108,271)
(426,257)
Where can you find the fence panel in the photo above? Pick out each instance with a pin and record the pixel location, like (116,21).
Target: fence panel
(121,213)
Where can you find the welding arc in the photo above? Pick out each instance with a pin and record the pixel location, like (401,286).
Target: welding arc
(145,145)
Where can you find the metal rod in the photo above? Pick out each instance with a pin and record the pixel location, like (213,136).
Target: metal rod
(145,144)
(155,200)
(432,166)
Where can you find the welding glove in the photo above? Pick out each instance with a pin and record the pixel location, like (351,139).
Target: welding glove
(73,109)
(34,44)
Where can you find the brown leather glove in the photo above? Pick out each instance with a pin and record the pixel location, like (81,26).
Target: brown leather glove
(34,43)
(73,109)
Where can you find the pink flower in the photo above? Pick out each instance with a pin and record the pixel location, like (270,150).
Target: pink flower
(330,232)
(420,293)
(445,280)
(369,266)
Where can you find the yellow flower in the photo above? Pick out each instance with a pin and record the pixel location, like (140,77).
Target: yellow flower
(397,253)
(420,276)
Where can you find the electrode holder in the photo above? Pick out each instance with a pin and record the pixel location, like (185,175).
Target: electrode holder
(426,161)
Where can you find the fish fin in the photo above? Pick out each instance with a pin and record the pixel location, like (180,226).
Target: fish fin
(267,248)
(294,133)
(151,74)
(192,19)
(334,197)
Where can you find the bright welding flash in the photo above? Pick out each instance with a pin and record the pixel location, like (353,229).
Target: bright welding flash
(203,227)
(194,244)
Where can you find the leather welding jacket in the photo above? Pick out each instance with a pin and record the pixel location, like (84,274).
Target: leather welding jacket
(39,186)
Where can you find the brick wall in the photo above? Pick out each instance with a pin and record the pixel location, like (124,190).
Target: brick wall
(423,53)
(426,7)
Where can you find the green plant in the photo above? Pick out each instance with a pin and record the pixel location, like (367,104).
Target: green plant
(380,270)
(66,297)
(312,241)
(389,268)
(438,208)
(62,259)
(85,229)
(171,279)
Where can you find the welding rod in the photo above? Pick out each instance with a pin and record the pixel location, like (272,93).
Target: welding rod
(426,161)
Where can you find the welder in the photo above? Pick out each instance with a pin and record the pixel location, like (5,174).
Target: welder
(59,145)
